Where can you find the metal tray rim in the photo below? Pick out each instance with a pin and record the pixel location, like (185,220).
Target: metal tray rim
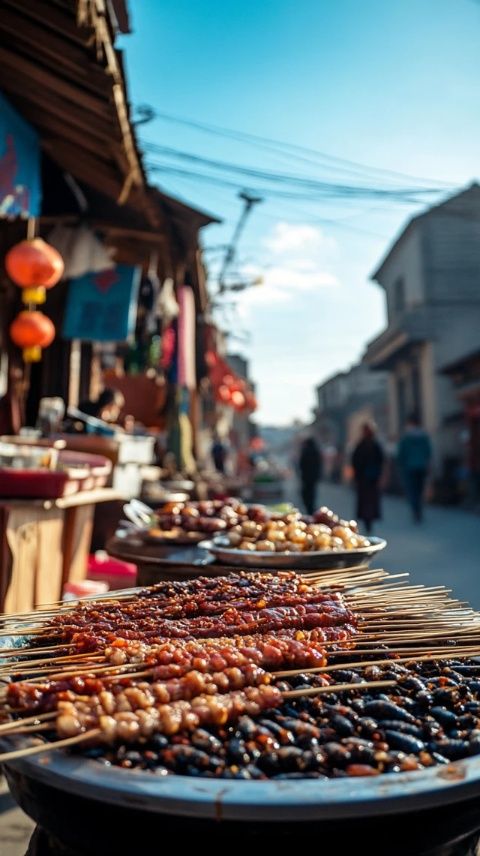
(292,561)
(300,799)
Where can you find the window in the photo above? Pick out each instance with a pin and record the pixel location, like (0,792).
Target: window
(399,294)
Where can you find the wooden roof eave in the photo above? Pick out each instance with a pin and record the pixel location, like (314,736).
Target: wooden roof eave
(67,80)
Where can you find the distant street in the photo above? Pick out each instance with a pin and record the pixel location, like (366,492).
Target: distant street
(445,549)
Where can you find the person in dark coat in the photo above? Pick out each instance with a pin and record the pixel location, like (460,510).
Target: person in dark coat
(310,466)
(367,463)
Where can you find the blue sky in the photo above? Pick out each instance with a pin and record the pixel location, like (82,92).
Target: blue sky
(395,85)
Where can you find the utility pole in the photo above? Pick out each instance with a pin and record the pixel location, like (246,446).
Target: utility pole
(248,202)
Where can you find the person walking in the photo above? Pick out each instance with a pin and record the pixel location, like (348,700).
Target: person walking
(367,464)
(219,455)
(414,456)
(310,465)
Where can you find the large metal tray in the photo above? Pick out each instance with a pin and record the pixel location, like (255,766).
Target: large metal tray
(315,560)
(282,800)
(285,800)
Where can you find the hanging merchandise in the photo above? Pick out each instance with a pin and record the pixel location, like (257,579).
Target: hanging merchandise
(167,307)
(101,307)
(32,330)
(81,250)
(34,266)
(169,339)
(20,182)
(186,339)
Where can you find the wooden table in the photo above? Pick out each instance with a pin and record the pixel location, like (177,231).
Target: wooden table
(44,544)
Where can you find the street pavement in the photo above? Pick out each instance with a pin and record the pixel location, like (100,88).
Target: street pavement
(444,549)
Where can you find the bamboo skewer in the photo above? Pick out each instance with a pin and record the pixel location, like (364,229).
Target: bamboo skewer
(47,747)
(334,688)
(363,664)
(39,717)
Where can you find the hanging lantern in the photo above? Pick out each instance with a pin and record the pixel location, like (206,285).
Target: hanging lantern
(228,380)
(238,399)
(224,394)
(34,265)
(32,331)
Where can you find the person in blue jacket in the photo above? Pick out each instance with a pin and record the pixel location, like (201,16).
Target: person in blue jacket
(414,457)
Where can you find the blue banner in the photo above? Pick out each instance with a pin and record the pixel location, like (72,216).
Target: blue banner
(20,182)
(101,307)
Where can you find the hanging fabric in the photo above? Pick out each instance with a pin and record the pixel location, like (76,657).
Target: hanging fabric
(81,250)
(186,338)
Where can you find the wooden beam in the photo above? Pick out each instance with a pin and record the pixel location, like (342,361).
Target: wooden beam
(49,47)
(51,18)
(52,82)
(135,234)
(38,110)
(85,167)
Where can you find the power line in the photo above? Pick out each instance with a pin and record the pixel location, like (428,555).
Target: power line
(298,181)
(296,151)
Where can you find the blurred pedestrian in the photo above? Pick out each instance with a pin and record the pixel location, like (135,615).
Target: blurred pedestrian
(219,454)
(367,464)
(414,456)
(310,465)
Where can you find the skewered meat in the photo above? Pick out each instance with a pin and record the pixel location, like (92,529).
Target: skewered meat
(121,717)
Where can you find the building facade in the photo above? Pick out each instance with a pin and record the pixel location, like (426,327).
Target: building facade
(431,279)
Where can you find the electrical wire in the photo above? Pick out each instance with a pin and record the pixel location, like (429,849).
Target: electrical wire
(298,152)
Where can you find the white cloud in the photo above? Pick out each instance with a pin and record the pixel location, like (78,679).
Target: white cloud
(299,259)
(298,239)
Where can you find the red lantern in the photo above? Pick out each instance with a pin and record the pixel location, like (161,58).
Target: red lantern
(32,331)
(224,394)
(228,380)
(33,263)
(238,399)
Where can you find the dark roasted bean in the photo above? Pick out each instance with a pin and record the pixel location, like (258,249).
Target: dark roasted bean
(451,749)
(367,726)
(387,710)
(404,742)
(337,754)
(342,725)
(445,717)
(247,726)
(412,683)
(402,727)
(290,757)
(159,741)
(445,697)
(466,670)
(474,746)
(283,735)
(424,698)
(202,739)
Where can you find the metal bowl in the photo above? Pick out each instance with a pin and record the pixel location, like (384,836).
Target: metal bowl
(314,560)
(265,801)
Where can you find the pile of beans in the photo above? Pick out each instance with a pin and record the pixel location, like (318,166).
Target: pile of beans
(431,717)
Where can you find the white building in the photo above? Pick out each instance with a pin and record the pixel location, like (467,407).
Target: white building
(431,278)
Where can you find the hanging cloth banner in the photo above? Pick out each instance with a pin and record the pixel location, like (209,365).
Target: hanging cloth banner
(101,307)
(20,183)
(186,338)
